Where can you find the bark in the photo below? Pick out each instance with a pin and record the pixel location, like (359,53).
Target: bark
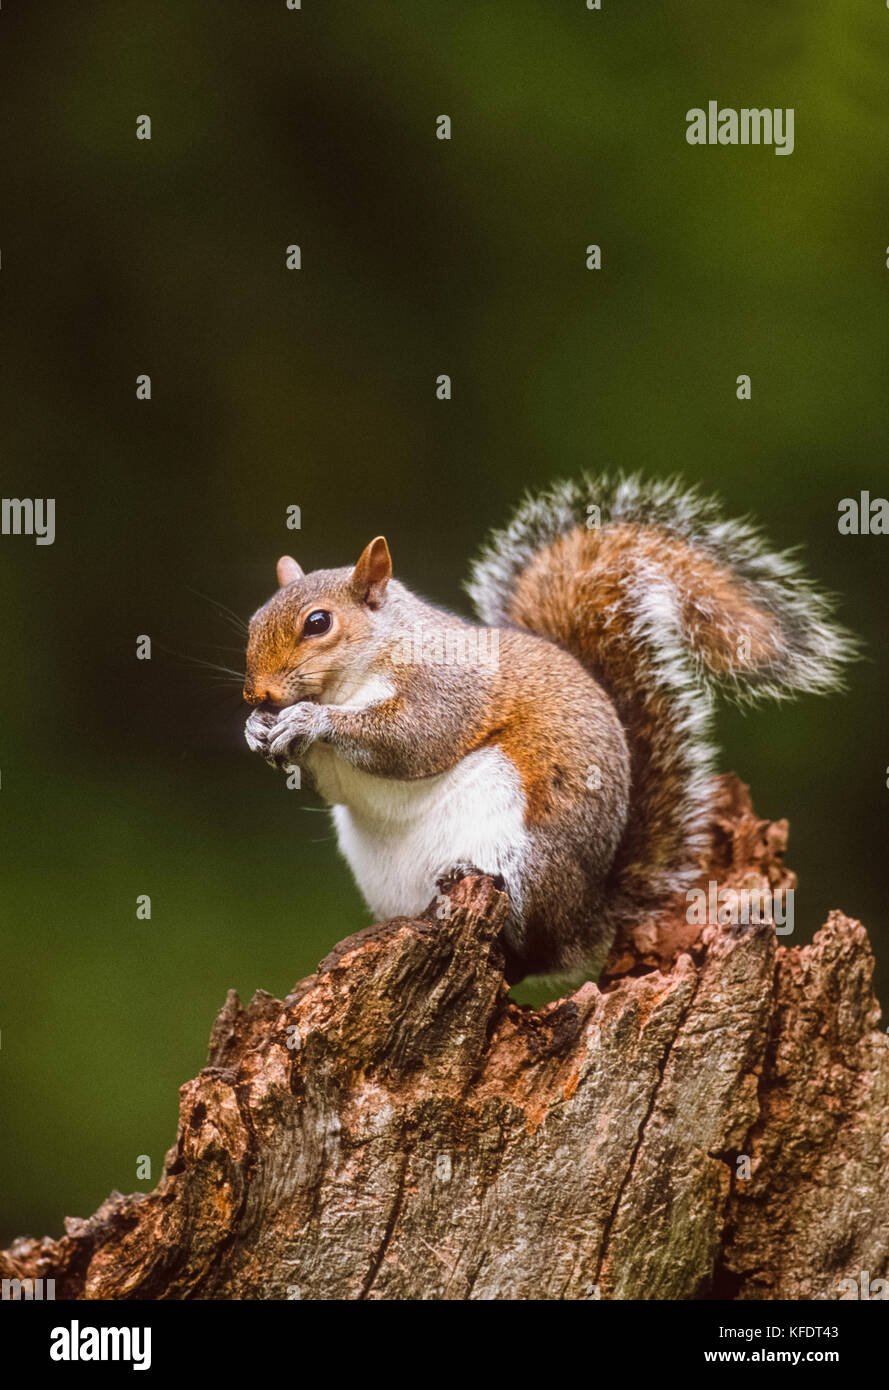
(398,1128)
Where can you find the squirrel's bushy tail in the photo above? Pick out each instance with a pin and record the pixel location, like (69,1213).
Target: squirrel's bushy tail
(662,600)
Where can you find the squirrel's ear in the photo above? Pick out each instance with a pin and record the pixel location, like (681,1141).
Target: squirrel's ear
(288,570)
(373,572)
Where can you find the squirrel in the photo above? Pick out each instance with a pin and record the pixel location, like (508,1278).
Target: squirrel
(561,743)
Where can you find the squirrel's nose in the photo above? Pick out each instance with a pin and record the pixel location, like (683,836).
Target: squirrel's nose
(264,693)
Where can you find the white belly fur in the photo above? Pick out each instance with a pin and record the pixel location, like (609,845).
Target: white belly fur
(400,837)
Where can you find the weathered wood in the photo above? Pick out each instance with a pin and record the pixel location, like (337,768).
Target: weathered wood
(397,1128)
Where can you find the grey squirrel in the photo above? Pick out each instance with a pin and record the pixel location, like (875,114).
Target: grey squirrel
(568,753)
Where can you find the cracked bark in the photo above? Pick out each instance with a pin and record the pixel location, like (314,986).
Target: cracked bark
(397,1128)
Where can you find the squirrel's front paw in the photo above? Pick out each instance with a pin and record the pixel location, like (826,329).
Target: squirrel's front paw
(257,729)
(294,731)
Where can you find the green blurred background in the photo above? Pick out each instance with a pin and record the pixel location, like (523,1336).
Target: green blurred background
(316,388)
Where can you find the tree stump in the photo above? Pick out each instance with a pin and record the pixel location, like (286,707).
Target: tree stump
(710,1121)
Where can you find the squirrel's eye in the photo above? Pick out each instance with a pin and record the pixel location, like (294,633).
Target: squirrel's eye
(316,623)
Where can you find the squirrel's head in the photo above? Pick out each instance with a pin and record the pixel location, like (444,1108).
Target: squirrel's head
(317,630)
